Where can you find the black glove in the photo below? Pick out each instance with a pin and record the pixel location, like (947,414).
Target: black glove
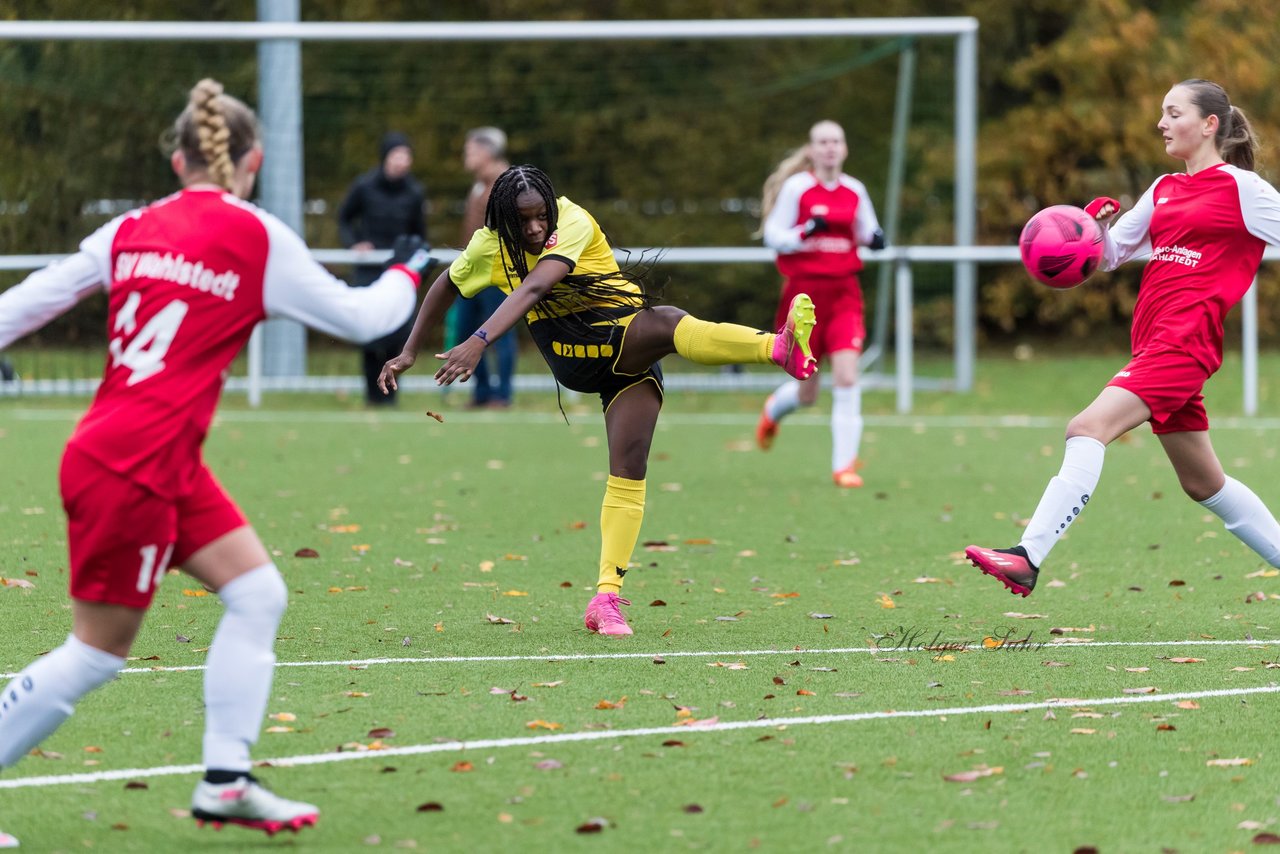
(877,240)
(411,251)
(813,225)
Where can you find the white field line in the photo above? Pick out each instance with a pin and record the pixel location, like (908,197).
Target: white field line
(742,653)
(677,418)
(670,731)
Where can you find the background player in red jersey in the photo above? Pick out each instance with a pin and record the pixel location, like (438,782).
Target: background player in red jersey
(187,279)
(816,217)
(1205,231)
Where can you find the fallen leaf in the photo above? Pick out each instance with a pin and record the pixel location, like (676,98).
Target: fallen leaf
(1266,839)
(306,553)
(816,616)
(430,806)
(541,724)
(501,621)
(548,765)
(1186,660)
(783,595)
(594,825)
(16,582)
(1148,689)
(555,684)
(1081,731)
(462,766)
(695,722)
(1019,616)
(436,415)
(1229,763)
(279,729)
(976,774)
(1177,799)
(610,704)
(886,601)
(382,732)
(693,809)
(195,593)
(803,693)
(1166,728)
(731,665)
(657,603)
(1187,704)
(136,784)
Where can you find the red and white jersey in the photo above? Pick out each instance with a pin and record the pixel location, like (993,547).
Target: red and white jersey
(1205,234)
(850,217)
(187,279)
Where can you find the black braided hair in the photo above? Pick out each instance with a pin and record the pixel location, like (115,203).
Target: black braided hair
(585,298)
(503,215)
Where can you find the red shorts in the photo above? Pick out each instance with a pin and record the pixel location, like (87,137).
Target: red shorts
(1169,383)
(122,537)
(837,302)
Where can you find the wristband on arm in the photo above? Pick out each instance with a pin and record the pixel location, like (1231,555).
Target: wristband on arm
(482,335)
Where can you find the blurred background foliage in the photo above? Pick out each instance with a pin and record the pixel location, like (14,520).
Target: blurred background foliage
(666,142)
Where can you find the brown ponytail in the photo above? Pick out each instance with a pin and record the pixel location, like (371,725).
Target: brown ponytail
(215,131)
(1235,139)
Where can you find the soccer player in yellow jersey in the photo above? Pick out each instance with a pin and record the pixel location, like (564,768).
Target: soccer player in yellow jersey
(599,332)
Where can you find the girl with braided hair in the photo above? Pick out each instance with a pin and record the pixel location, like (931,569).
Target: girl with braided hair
(599,331)
(187,278)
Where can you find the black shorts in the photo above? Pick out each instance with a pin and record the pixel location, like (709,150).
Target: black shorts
(583,352)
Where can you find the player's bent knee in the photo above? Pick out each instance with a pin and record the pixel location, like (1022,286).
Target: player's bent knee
(261,592)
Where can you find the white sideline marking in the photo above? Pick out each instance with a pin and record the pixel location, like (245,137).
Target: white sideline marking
(669,418)
(600,735)
(585,656)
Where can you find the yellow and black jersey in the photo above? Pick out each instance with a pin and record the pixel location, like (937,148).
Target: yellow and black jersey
(578,242)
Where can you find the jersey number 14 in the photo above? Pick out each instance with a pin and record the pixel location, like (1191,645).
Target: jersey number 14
(143,354)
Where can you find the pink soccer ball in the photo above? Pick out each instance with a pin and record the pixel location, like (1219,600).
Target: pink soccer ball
(1061,246)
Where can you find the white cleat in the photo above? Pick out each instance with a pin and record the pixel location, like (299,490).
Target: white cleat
(8,840)
(248,803)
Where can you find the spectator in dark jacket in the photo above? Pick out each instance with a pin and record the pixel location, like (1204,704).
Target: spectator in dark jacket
(382,204)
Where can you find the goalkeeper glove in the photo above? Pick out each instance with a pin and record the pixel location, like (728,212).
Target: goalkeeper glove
(877,240)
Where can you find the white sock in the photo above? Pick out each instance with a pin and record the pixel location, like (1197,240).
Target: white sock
(846,426)
(1065,496)
(1248,518)
(784,400)
(241,664)
(41,697)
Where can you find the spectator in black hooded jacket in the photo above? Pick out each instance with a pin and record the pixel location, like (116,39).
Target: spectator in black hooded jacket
(382,204)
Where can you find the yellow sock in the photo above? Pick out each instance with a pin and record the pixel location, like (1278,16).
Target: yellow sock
(620,518)
(722,343)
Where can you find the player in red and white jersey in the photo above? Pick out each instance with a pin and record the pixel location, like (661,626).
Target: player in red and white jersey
(816,217)
(187,278)
(1205,231)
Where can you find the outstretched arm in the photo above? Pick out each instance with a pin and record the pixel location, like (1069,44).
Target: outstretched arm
(460,362)
(47,293)
(439,297)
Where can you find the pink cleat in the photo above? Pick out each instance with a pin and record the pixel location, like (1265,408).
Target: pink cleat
(791,346)
(604,617)
(1010,566)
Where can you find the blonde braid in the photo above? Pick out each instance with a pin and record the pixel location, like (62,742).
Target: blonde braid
(212,131)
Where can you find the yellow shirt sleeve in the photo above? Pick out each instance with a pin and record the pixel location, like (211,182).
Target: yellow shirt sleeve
(575,232)
(472,271)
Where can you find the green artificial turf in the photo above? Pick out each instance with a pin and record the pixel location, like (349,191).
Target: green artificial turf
(763,595)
